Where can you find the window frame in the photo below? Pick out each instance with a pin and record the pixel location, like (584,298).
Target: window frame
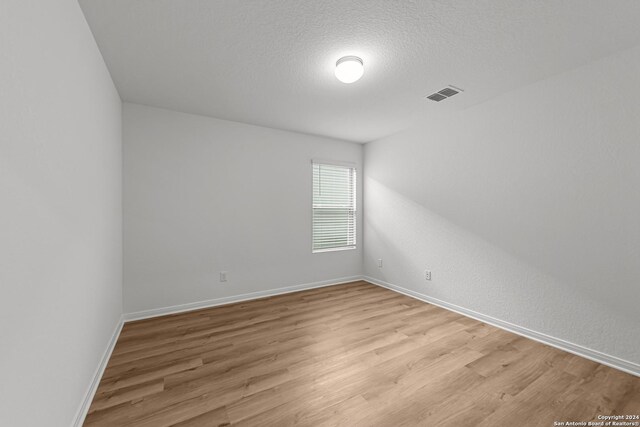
(347,165)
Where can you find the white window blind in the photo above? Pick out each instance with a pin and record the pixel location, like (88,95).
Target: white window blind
(334,207)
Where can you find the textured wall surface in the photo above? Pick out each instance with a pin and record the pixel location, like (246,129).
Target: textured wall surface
(203,195)
(271,62)
(60,211)
(525,208)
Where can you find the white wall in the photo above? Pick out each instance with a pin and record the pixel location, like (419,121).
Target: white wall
(526,208)
(203,195)
(60,211)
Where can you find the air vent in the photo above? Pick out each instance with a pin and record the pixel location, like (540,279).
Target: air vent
(445,93)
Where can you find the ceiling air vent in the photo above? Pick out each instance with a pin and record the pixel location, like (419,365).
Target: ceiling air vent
(445,93)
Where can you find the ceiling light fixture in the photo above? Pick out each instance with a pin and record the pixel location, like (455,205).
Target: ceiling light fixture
(349,69)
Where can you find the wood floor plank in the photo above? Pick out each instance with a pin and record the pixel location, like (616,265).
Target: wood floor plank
(354,355)
(107,399)
(215,418)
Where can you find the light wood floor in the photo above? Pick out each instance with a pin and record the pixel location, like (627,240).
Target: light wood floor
(352,355)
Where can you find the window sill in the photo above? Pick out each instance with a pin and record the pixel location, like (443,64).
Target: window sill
(345,248)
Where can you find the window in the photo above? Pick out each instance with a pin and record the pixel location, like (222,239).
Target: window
(334,207)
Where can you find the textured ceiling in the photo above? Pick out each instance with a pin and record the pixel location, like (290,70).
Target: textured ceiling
(270,62)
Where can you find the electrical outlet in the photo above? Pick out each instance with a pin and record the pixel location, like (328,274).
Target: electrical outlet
(380,263)
(223,276)
(427,275)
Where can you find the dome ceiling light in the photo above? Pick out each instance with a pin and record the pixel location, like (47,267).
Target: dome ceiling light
(349,69)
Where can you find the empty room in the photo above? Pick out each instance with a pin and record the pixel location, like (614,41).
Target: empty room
(319,213)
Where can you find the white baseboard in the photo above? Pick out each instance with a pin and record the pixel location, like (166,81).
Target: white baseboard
(97,376)
(181,308)
(596,356)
